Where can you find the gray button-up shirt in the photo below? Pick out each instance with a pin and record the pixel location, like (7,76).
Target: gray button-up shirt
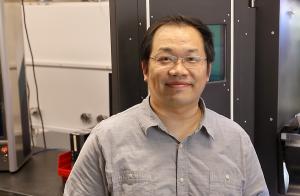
(133,154)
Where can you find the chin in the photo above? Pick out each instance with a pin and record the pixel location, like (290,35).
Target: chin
(180,101)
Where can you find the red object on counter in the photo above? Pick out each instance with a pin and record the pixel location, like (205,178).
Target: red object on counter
(64,165)
(4,149)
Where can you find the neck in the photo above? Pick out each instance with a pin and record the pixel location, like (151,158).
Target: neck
(179,121)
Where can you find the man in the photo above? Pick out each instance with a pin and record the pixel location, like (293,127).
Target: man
(170,144)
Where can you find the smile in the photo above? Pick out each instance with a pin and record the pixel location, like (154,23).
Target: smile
(177,84)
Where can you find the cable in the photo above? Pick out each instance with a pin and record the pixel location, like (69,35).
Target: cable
(29,116)
(34,76)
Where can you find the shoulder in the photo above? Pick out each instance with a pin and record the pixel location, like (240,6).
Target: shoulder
(119,125)
(122,117)
(223,126)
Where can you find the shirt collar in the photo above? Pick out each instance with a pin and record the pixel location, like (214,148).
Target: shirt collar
(206,120)
(149,119)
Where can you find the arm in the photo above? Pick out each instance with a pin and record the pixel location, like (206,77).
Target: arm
(87,177)
(255,184)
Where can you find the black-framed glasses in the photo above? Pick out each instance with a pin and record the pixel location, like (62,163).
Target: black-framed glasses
(173,60)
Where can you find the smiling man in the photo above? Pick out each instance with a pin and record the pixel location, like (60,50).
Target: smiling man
(170,144)
(177,72)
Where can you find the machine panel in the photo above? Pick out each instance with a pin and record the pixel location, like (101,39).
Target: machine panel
(219,23)
(232,80)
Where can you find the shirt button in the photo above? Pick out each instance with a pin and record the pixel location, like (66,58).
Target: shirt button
(227,177)
(181,180)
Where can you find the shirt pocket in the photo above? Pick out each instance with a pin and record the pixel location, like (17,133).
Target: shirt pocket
(225,184)
(132,183)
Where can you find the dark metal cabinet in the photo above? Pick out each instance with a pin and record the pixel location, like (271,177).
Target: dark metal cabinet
(277,79)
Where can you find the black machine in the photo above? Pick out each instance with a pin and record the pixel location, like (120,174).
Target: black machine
(289,152)
(127,29)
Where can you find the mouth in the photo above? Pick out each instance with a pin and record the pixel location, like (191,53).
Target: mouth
(178,84)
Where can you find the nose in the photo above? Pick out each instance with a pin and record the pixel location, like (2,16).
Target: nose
(178,68)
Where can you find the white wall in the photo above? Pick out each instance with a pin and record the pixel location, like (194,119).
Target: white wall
(69,33)
(71,48)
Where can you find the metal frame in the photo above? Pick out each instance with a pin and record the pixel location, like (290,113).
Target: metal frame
(14,106)
(244,66)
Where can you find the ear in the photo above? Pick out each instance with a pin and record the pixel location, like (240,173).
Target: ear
(145,70)
(208,71)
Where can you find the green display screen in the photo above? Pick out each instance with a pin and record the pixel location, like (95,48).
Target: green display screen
(218,66)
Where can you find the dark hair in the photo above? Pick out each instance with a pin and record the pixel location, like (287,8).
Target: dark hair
(146,46)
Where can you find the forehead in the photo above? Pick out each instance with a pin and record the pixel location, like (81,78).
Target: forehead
(178,38)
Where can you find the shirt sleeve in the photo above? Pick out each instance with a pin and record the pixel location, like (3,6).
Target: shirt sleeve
(255,184)
(87,177)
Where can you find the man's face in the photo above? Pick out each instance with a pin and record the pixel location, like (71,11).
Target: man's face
(178,84)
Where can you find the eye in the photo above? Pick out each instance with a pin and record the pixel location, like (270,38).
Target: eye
(192,59)
(164,59)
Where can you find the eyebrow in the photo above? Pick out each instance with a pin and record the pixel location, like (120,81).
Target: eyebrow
(167,49)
